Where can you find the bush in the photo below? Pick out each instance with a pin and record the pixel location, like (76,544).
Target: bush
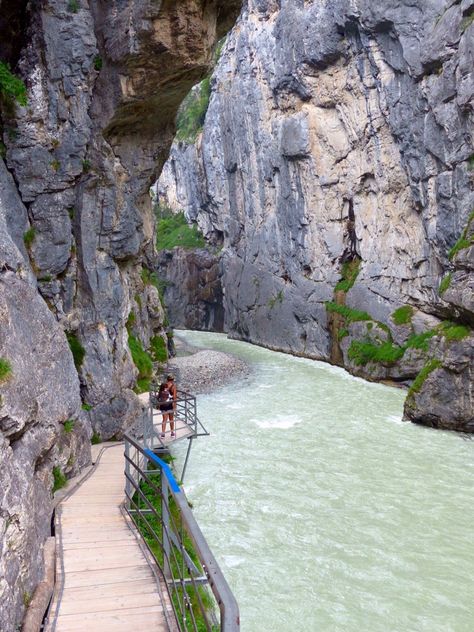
(5,370)
(60,479)
(141,358)
(78,351)
(11,86)
(451,331)
(361,353)
(349,273)
(159,350)
(173,230)
(403,315)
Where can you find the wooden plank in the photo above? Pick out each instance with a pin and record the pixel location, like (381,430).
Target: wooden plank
(102,577)
(109,603)
(115,589)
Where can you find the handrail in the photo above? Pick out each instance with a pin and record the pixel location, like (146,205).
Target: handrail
(169,540)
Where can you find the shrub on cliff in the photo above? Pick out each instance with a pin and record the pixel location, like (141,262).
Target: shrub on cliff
(5,370)
(174,230)
(191,115)
(142,361)
(11,86)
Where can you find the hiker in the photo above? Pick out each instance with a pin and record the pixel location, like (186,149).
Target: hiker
(173,397)
(165,403)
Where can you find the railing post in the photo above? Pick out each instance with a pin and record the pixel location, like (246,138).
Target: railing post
(128,485)
(165,520)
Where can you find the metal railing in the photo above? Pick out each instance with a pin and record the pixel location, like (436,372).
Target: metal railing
(159,509)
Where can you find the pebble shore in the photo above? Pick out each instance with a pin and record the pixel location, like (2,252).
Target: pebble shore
(204,370)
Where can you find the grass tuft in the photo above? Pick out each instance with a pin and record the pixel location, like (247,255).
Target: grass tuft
(159,349)
(363,352)
(78,351)
(403,315)
(29,236)
(420,341)
(5,370)
(351,315)
(349,273)
(86,407)
(192,113)
(96,438)
(463,241)
(142,361)
(69,425)
(11,86)
(445,283)
(60,479)
(452,331)
(418,382)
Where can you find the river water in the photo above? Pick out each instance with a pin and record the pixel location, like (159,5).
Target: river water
(325,510)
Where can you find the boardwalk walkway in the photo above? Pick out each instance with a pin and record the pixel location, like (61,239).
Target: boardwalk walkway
(104,582)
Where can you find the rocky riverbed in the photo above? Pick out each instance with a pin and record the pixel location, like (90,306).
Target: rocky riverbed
(203,370)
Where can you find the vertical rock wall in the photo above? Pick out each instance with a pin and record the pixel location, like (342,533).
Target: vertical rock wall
(104,82)
(338,141)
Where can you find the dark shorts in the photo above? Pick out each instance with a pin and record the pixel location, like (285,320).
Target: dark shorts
(166,407)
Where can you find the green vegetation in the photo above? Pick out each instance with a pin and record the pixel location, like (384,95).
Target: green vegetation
(86,407)
(96,438)
(463,241)
(174,230)
(150,488)
(158,348)
(86,166)
(363,352)
(420,341)
(69,425)
(29,236)
(351,315)
(418,382)
(130,322)
(349,273)
(55,164)
(342,333)
(5,370)
(47,278)
(470,162)
(78,351)
(98,62)
(60,479)
(26,599)
(73,6)
(192,113)
(452,331)
(278,298)
(403,315)
(11,86)
(445,283)
(143,362)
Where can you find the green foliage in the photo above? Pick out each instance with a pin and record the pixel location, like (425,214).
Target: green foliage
(73,6)
(278,298)
(464,241)
(29,236)
(130,321)
(69,425)
(403,315)
(47,278)
(86,166)
(192,113)
(55,164)
(452,331)
(96,438)
(158,348)
(142,361)
(5,370)
(60,479)
(470,162)
(342,333)
(445,283)
(87,407)
(351,315)
(349,273)
(173,230)
(418,382)
(11,86)
(420,341)
(362,352)
(143,385)
(98,62)
(78,351)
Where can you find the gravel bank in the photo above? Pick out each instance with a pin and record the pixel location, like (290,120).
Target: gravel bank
(204,370)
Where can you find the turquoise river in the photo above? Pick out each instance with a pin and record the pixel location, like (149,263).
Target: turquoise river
(327,512)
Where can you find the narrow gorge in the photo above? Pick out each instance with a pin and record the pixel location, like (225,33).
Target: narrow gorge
(334,172)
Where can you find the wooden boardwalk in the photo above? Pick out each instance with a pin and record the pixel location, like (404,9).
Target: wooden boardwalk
(103,580)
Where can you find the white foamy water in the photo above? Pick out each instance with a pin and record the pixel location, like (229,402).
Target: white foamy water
(331,515)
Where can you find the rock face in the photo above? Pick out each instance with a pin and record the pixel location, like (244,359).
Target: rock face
(104,83)
(338,141)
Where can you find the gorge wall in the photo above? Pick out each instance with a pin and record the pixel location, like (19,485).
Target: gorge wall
(335,169)
(104,81)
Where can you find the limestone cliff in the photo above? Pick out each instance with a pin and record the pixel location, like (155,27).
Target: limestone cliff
(336,169)
(104,81)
